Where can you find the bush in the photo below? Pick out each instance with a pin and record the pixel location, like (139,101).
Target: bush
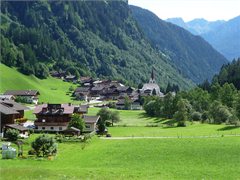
(44,145)
(112,105)
(196,116)
(181,124)
(12,134)
(31,152)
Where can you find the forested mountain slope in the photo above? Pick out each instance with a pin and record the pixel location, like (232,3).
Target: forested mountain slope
(230,73)
(191,54)
(98,38)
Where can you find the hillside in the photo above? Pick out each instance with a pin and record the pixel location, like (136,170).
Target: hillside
(194,57)
(97,38)
(51,89)
(222,35)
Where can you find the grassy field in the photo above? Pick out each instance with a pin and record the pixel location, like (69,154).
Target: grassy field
(52,90)
(195,129)
(132,117)
(213,158)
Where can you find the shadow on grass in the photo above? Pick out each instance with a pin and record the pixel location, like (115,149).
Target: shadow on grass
(227,128)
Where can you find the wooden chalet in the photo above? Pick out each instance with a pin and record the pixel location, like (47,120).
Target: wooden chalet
(10,111)
(56,117)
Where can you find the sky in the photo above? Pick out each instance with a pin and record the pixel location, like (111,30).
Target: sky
(210,10)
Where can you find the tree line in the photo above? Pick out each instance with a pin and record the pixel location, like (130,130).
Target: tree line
(221,104)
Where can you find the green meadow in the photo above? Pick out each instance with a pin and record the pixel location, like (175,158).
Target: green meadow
(211,158)
(51,89)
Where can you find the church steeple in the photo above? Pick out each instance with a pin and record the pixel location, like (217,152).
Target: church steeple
(152,79)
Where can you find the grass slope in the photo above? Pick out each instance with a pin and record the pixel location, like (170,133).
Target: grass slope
(213,158)
(52,90)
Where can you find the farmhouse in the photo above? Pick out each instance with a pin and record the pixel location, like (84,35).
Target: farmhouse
(30,96)
(10,111)
(90,123)
(56,117)
(151,88)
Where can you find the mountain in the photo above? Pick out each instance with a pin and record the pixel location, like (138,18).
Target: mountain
(222,35)
(97,38)
(193,56)
(196,26)
(226,38)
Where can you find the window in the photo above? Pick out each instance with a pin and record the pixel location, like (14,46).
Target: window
(52,128)
(60,128)
(87,126)
(43,128)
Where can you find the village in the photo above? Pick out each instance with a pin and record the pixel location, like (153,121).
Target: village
(51,117)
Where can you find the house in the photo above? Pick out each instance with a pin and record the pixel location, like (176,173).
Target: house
(82,93)
(10,111)
(86,81)
(120,104)
(151,88)
(136,104)
(56,117)
(90,123)
(30,96)
(58,74)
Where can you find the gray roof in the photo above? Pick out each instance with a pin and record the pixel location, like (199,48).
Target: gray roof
(11,107)
(22,92)
(7,110)
(91,119)
(82,89)
(16,126)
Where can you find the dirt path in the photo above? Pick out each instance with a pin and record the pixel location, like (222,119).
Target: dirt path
(168,137)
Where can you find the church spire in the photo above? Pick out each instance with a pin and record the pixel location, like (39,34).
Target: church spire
(152,79)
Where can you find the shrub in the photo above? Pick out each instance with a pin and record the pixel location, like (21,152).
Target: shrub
(44,145)
(196,116)
(31,152)
(12,134)
(181,124)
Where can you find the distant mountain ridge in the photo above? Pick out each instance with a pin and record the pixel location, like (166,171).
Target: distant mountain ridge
(193,56)
(222,35)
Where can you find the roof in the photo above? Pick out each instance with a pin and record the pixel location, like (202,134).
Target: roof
(91,119)
(16,126)
(72,129)
(82,89)
(97,88)
(121,102)
(7,110)
(70,77)
(83,108)
(65,109)
(22,92)
(11,107)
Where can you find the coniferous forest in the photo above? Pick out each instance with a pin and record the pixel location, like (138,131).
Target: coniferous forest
(97,38)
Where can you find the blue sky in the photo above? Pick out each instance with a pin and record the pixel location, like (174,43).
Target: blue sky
(190,9)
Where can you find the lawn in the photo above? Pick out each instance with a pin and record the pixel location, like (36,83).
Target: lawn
(51,89)
(213,158)
(131,117)
(195,129)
